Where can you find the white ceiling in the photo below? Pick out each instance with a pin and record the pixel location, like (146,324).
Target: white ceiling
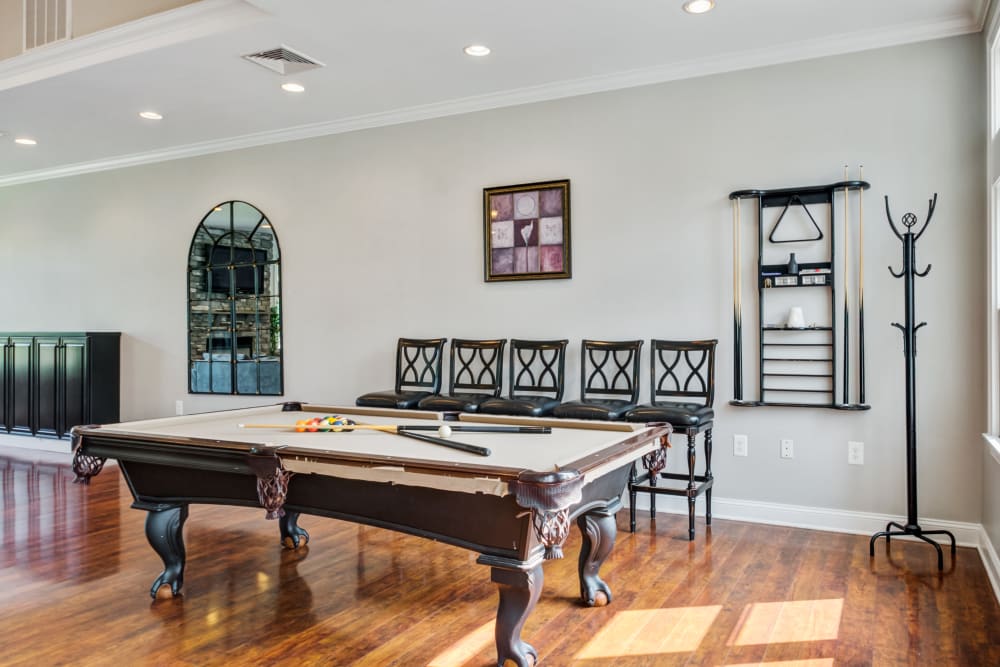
(392,61)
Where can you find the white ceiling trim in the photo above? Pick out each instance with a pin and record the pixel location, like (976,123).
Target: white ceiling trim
(834,45)
(199,19)
(982,12)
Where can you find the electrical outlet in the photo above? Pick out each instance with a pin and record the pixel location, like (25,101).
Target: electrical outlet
(741,445)
(179,407)
(856,453)
(786,449)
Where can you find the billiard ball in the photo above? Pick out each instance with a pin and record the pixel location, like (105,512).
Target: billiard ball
(444,431)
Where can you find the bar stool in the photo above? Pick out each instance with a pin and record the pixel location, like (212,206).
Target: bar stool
(418,375)
(475,374)
(683,373)
(536,366)
(608,369)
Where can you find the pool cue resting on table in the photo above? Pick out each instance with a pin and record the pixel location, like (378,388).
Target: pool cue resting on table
(393,428)
(336,424)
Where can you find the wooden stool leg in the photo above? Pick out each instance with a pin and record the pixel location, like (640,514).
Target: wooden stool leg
(708,476)
(632,496)
(692,488)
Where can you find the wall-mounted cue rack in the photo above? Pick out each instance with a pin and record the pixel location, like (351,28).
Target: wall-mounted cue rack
(803,348)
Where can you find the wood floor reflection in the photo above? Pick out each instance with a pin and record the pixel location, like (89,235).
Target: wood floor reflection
(75,569)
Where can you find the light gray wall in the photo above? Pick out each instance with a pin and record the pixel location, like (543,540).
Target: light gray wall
(381,237)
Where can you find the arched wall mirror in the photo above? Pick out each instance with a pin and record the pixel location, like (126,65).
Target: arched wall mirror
(234,304)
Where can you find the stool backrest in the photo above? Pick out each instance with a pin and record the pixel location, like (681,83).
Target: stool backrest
(476,365)
(537,366)
(682,369)
(418,363)
(610,368)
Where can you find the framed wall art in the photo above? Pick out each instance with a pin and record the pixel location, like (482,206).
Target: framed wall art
(526,231)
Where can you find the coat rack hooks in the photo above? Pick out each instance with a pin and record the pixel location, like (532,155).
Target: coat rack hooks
(909,331)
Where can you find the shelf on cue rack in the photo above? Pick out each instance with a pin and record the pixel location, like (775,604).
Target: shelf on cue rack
(786,404)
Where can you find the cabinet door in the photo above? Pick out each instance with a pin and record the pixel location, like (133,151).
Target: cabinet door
(47,394)
(4,380)
(19,386)
(73,380)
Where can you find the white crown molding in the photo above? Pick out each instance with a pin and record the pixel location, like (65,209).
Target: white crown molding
(803,50)
(188,22)
(982,12)
(991,18)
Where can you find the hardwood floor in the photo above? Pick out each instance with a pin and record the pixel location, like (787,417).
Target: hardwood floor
(75,569)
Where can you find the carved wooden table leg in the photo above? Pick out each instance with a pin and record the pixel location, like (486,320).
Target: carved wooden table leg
(84,465)
(164,530)
(292,537)
(599,531)
(272,483)
(519,591)
(655,462)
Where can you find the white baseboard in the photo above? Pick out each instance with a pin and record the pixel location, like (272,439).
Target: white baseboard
(62,446)
(813,518)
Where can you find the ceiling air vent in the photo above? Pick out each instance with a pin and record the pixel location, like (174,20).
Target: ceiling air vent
(283,60)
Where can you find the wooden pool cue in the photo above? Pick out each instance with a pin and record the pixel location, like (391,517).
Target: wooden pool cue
(737,306)
(393,428)
(847,313)
(861,287)
(478,428)
(387,428)
(472,449)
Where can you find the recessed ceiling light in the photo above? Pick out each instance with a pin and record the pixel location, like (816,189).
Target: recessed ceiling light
(293,87)
(25,141)
(477,50)
(698,6)
(150,115)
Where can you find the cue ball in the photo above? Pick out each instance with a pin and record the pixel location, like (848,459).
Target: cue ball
(444,431)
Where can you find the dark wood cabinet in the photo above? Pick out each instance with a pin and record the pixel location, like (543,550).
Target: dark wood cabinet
(18,383)
(53,381)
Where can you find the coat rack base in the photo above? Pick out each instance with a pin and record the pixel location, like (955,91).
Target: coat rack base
(913,530)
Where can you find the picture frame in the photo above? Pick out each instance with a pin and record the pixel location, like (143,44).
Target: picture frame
(526,232)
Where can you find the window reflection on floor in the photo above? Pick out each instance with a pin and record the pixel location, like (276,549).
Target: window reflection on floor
(45,520)
(651,632)
(798,621)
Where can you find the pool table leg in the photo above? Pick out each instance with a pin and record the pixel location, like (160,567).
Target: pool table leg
(292,537)
(164,530)
(599,531)
(519,591)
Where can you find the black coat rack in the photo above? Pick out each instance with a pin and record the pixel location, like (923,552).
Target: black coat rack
(912,528)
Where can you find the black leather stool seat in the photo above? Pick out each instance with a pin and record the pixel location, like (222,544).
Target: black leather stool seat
(453,402)
(678,415)
(608,369)
(418,375)
(521,406)
(403,400)
(475,375)
(536,379)
(610,410)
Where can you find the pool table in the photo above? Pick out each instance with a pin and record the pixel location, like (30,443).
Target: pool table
(513,507)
